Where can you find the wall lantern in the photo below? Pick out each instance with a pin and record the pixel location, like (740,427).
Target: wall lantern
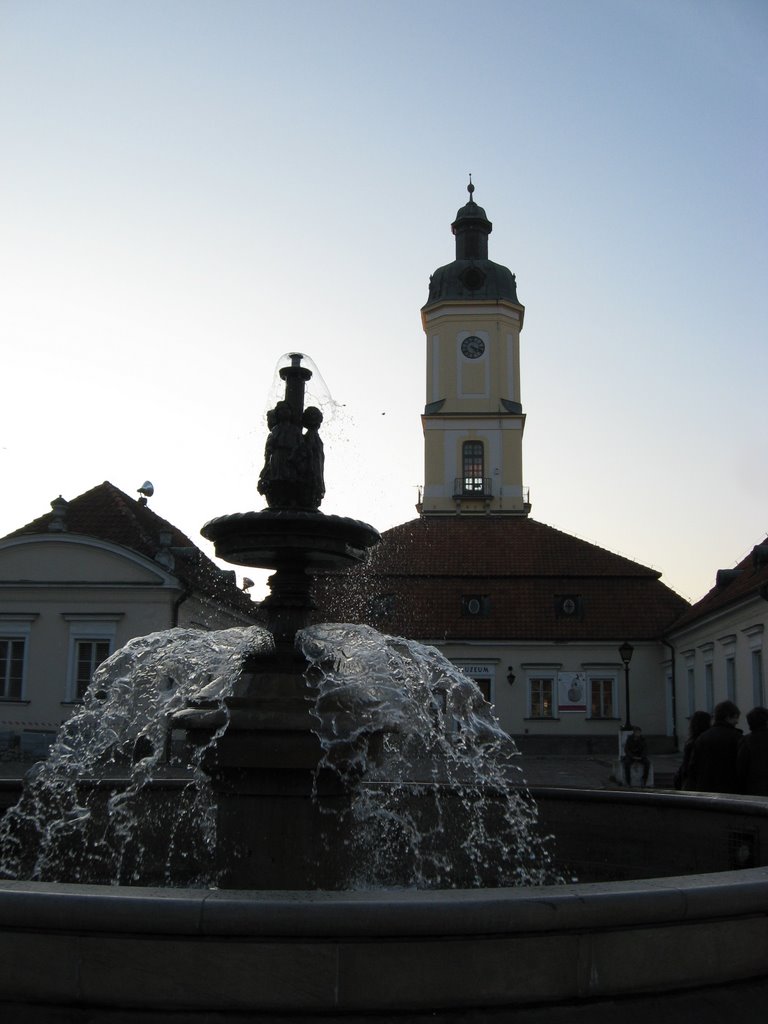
(510,675)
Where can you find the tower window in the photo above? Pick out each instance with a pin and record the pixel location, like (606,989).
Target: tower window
(473,466)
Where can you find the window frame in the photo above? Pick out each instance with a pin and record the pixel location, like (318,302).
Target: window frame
(730,677)
(754,636)
(758,676)
(541,677)
(18,628)
(8,680)
(611,679)
(472,482)
(93,629)
(690,681)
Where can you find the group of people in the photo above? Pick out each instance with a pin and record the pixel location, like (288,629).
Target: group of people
(719,758)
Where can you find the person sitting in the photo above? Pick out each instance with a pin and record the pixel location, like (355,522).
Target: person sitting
(635,751)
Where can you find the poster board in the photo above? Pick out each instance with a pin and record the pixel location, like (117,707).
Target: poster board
(571,692)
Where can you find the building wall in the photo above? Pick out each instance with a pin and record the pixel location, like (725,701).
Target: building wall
(580,673)
(62,596)
(473,385)
(722,657)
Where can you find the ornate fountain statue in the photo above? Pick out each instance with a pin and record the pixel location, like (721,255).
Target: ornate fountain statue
(292,476)
(291,536)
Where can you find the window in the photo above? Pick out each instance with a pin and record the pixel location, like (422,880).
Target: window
(12,660)
(690,677)
(603,703)
(709,687)
(89,654)
(472,467)
(540,697)
(15,633)
(754,636)
(757,677)
(475,605)
(730,678)
(91,640)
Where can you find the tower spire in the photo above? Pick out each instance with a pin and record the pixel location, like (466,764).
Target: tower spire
(471,229)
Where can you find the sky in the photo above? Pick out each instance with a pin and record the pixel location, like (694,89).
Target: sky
(193,188)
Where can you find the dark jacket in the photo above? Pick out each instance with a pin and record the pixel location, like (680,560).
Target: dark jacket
(752,763)
(712,767)
(681,775)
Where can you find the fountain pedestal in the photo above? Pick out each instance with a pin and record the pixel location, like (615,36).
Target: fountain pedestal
(278,811)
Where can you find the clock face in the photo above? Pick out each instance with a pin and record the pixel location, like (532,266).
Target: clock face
(473,347)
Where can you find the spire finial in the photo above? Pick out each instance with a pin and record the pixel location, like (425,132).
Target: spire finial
(470,189)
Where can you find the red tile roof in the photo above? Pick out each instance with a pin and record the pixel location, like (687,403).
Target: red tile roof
(107,513)
(418,578)
(748,579)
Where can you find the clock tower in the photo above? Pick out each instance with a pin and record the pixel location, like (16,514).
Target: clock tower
(473,420)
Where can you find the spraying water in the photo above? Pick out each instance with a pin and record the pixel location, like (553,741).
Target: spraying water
(430,767)
(408,734)
(88,813)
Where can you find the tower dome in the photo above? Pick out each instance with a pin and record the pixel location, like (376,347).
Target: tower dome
(472,275)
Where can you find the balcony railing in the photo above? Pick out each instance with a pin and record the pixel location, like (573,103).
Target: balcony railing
(473,487)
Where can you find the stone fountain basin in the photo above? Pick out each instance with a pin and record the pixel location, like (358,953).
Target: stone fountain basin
(274,537)
(160,951)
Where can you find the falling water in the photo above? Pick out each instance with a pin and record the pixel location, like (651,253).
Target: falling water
(436,788)
(97,810)
(428,765)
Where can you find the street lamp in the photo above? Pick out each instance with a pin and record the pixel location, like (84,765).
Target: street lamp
(625,651)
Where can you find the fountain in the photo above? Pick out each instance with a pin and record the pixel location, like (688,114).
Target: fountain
(334,859)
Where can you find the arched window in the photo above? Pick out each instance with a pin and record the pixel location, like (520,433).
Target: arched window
(472,467)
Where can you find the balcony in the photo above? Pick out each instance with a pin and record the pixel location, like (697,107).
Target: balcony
(468,487)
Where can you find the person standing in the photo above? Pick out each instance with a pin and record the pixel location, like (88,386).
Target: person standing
(698,723)
(752,755)
(712,766)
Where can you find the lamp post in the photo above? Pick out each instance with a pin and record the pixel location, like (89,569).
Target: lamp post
(625,651)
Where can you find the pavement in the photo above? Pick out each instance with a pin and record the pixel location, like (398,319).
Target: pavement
(578,770)
(589,771)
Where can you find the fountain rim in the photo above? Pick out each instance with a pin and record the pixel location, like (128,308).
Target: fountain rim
(527,945)
(62,906)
